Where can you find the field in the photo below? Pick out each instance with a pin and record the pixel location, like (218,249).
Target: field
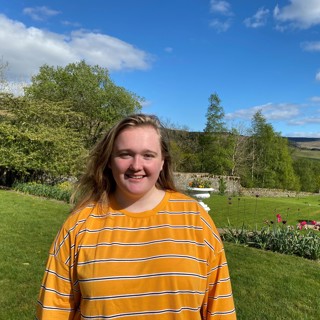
(306,148)
(266,285)
(306,153)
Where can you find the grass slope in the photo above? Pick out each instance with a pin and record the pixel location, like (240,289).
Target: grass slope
(273,286)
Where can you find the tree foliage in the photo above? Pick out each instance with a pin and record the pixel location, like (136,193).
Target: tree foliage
(87,90)
(65,110)
(62,114)
(215,143)
(308,171)
(270,161)
(33,140)
(215,115)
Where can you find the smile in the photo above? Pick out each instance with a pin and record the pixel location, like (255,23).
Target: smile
(135,177)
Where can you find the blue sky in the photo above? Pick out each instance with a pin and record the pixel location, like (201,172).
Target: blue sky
(256,55)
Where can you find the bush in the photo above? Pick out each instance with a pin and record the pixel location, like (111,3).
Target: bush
(222,186)
(60,192)
(285,240)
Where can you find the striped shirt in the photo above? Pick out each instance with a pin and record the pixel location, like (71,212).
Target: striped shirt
(166,263)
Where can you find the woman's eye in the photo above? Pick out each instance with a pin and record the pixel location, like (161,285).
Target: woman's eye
(124,155)
(149,155)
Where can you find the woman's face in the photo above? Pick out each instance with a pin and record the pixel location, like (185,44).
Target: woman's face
(136,162)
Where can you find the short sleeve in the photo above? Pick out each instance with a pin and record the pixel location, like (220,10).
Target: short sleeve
(218,301)
(59,294)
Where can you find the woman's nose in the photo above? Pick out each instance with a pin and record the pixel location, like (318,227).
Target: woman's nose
(136,163)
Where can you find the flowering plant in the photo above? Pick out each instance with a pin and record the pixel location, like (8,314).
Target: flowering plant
(200,183)
(279,218)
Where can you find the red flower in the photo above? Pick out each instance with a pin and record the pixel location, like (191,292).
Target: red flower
(303,223)
(279,219)
(314,222)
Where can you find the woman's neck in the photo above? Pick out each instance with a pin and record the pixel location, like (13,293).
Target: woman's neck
(139,204)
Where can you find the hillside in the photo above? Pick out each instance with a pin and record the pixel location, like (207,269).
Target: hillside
(305,143)
(305,147)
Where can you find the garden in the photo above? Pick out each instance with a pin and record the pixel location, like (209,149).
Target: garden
(272,244)
(266,284)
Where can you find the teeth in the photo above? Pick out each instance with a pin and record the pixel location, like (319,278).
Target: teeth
(136,177)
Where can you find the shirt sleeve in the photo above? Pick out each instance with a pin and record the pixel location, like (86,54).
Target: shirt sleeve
(218,301)
(59,296)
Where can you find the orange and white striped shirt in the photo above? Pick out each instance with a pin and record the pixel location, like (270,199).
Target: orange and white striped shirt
(166,264)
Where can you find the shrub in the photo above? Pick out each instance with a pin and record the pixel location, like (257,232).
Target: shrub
(222,186)
(60,192)
(285,240)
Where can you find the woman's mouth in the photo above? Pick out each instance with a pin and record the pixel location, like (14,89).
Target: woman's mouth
(135,177)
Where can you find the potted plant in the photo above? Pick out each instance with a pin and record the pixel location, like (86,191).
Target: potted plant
(200,188)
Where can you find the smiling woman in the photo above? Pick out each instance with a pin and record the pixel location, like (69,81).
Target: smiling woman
(136,163)
(134,247)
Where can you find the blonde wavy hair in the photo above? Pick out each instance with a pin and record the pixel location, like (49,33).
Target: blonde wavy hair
(97,181)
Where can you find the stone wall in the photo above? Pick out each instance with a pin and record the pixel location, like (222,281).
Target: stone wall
(234,187)
(261,192)
(232,183)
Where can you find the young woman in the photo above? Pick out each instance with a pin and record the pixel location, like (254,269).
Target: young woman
(134,247)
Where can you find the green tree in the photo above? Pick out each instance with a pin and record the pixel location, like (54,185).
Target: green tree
(239,154)
(36,141)
(183,145)
(89,91)
(215,144)
(308,171)
(270,160)
(215,115)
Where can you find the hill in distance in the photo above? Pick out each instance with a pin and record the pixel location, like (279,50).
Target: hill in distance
(305,143)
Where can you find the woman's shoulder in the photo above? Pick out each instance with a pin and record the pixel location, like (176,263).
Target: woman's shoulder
(80,216)
(180,199)
(179,195)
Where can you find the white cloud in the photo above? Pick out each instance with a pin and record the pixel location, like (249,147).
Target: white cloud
(168,49)
(28,48)
(311,46)
(220,26)
(281,111)
(299,13)
(305,121)
(306,134)
(315,99)
(71,24)
(14,87)
(259,19)
(304,116)
(221,7)
(40,13)
(318,76)
(146,103)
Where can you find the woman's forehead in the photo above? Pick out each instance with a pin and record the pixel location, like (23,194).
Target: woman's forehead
(138,136)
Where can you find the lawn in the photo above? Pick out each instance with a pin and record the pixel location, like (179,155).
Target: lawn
(266,285)
(254,211)
(27,228)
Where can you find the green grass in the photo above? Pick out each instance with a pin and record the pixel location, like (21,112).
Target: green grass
(266,285)
(306,153)
(27,228)
(254,211)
